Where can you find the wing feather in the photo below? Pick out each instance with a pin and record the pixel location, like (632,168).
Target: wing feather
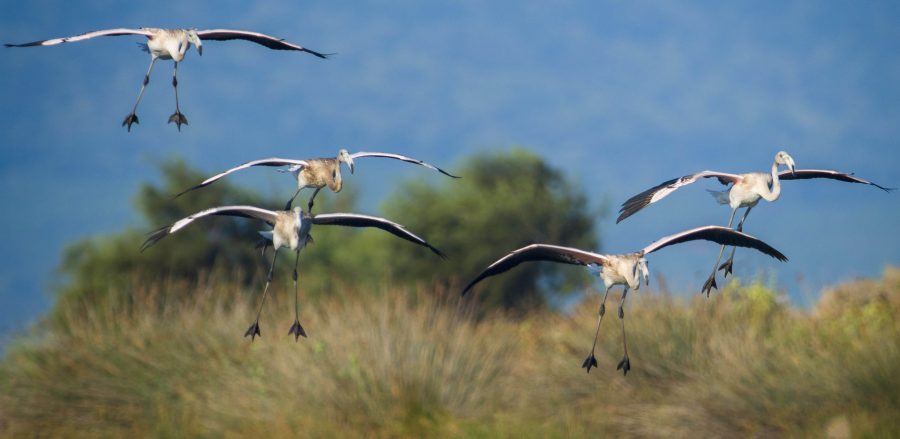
(273,161)
(85,36)
(359,220)
(256,37)
(537,252)
(660,191)
(717,234)
(268,216)
(804,174)
(403,158)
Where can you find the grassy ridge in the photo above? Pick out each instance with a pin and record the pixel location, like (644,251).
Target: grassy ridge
(413,363)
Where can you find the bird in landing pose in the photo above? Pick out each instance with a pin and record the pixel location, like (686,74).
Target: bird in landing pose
(289,229)
(746,190)
(627,269)
(173,44)
(315,173)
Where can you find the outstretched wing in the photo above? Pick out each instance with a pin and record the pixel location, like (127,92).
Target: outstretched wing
(403,158)
(273,161)
(85,36)
(241,211)
(717,234)
(656,193)
(804,174)
(357,220)
(256,37)
(537,252)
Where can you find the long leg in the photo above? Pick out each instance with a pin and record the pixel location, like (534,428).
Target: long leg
(253,330)
(313,197)
(591,361)
(729,264)
(296,329)
(625,364)
(711,282)
(177,117)
(290,202)
(132,117)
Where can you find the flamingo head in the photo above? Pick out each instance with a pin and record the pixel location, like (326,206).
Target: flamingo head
(194,39)
(783,158)
(344,156)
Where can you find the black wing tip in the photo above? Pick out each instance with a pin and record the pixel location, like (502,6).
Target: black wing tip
(776,254)
(31,44)
(155,236)
(318,54)
(438,252)
(188,190)
(446,173)
(629,209)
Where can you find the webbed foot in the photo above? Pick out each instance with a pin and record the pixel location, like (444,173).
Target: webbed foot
(709,285)
(297,330)
(589,362)
(129,120)
(727,266)
(253,331)
(178,119)
(624,365)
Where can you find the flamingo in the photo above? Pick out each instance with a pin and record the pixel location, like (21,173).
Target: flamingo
(745,192)
(316,173)
(624,269)
(173,44)
(290,228)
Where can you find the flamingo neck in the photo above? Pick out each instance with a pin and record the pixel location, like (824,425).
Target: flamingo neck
(775,192)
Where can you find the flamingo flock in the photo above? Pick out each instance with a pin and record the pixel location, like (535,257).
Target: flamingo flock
(291,226)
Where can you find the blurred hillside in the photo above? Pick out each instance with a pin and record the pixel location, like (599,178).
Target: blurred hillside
(149,344)
(504,201)
(389,362)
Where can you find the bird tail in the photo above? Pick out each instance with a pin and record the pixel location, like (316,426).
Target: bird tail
(266,234)
(720,196)
(144,47)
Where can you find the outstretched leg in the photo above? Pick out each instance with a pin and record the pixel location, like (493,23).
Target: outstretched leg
(177,117)
(591,361)
(290,202)
(728,265)
(312,198)
(711,282)
(253,330)
(132,117)
(625,364)
(296,329)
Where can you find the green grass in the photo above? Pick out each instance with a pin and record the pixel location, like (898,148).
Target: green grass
(403,363)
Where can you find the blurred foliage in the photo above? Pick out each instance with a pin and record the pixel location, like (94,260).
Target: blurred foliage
(95,268)
(504,201)
(390,361)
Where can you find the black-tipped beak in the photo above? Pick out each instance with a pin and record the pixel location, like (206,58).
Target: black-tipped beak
(351,168)
(792,170)
(200,50)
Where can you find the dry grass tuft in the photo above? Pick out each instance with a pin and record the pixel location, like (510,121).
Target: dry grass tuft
(389,363)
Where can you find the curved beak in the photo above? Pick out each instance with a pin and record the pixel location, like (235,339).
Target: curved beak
(200,50)
(351,167)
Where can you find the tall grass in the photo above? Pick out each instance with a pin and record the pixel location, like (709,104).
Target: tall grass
(388,363)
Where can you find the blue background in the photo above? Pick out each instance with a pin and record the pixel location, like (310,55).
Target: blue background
(621,95)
